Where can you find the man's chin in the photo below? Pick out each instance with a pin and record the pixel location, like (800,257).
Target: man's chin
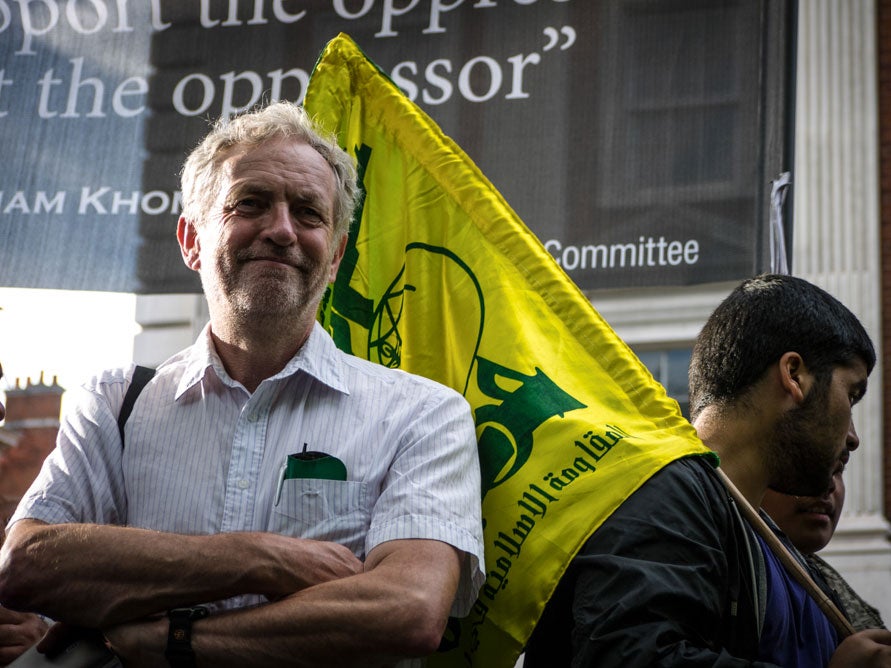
(273,298)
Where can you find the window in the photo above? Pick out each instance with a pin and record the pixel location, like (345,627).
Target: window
(683,102)
(670,367)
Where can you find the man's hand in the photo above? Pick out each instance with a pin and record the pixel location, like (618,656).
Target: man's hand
(140,643)
(18,632)
(299,563)
(866,649)
(82,647)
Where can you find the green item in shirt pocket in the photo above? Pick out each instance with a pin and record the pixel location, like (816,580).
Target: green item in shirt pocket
(312,464)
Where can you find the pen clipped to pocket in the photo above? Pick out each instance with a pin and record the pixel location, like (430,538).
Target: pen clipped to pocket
(310,464)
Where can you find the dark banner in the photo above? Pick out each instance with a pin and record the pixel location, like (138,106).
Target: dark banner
(636,138)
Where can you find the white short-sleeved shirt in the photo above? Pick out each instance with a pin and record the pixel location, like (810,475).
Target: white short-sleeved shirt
(202,455)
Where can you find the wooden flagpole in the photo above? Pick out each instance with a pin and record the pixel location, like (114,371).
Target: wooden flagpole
(836,618)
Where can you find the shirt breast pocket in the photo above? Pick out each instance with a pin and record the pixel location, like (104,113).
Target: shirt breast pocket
(319,509)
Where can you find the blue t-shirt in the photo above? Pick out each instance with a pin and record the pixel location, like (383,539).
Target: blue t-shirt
(796,633)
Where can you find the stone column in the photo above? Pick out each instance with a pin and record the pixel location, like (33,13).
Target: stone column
(836,244)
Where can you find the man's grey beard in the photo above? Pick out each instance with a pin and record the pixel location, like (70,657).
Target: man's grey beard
(270,301)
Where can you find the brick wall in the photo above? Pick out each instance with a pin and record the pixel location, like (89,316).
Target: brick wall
(26,438)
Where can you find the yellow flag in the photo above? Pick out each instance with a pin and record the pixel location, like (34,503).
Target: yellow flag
(441,278)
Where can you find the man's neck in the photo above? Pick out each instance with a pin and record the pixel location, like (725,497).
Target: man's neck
(738,442)
(251,357)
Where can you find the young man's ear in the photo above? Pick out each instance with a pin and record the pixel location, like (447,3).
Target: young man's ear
(795,378)
(189,243)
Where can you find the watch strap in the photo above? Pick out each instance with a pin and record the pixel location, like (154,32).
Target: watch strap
(179,650)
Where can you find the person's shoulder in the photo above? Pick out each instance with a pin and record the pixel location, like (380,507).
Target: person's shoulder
(695,471)
(361,376)
(106,379)
(102,391)
(395,377)
(114,381)
(676,506)
(688,484)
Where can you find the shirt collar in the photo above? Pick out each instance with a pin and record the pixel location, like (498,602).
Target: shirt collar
(318,357)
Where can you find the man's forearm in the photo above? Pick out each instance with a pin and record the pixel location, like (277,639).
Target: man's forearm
(95,576)
(288,632)
(396,609)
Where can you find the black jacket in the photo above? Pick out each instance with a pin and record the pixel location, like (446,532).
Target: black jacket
(672,578)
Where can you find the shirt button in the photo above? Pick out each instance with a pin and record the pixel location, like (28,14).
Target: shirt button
(252,417)
(243,484)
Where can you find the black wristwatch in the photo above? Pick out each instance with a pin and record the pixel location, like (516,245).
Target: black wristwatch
(179,651)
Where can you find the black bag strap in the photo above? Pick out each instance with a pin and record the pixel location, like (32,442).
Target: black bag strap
(141,376)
